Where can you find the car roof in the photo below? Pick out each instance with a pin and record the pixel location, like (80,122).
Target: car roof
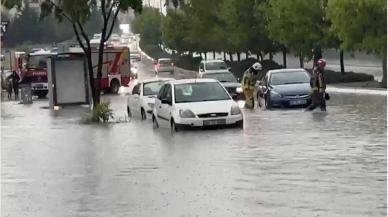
(220,71)
(212,61)
(156,79)
(285,70)
(188,81)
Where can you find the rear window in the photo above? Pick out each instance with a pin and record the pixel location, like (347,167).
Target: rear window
(165,62)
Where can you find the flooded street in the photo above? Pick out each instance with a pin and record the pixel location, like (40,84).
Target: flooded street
(284,163)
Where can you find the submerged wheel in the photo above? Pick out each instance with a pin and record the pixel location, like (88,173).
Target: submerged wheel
(143,114)
(129,112)
(155,124)
(114,86)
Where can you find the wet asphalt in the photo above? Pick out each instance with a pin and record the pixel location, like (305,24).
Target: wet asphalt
(284,163)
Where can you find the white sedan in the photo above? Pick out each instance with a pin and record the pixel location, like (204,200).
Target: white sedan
(195,103)
(140,102)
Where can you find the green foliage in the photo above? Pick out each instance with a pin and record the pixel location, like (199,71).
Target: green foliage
(12,3)
(298,24)
(29,28)
(360,24)
(148,24)
(101,113)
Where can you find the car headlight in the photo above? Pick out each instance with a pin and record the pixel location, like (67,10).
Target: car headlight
(239,90)
(235,110)
(151,105)
(275,94)
(186,113)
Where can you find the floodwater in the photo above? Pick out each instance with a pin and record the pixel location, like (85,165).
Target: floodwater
(284,163)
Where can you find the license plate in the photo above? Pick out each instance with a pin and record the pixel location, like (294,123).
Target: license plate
(298,102)
(214,122)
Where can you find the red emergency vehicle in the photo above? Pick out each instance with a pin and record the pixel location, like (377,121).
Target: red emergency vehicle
(116,68)
(32,68)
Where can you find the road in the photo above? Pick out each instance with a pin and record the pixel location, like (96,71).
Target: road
(284,163)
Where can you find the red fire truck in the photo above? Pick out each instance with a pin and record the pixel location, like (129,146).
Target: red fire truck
(116,68)
(33,69)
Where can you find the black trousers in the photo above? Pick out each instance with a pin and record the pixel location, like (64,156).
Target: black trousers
(16,90)
(318,100)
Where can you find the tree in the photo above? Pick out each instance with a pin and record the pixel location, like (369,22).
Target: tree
(148,25)
(77,13)
(296,24)
(361,25)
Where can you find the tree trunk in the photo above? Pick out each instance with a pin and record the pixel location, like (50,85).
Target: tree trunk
(342,62)
(301,62)
(205,55)
(238,57)
(284,49)
(260,57)
(224,56)
(384,81)
(247,55)
(214,55)
(270,56)
(230,57)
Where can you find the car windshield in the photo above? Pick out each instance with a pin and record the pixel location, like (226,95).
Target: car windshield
(152,88)
(216,65)
(200,92)
(164,62)
(221,77)
(37,61)
(295,77)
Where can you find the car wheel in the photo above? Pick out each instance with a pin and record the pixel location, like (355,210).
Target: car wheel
(155,124)
(143,114)
(114,86)
(129,112)
(268,104)
(240,124)
(173,128)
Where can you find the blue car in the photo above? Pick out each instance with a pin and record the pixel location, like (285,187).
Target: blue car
(285,88)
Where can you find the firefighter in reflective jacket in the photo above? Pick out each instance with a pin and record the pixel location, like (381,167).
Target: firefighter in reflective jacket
(248,83)
(318,86)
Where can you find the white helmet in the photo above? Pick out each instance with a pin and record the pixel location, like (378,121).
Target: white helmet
(256,66)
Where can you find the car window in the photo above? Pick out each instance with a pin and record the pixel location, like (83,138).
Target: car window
(161,92)
(136,89)
(165,62)
(295,77)
(168,93)
(216,66)
(200,92)
(152,88)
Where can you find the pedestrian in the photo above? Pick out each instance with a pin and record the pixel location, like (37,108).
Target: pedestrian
(9,87)
(248,84)
(318,86)
(15,84)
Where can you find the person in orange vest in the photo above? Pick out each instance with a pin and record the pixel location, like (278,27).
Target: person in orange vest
(248,83)
(318,86)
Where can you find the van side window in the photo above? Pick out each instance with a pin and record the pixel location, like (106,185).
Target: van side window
(136,89)
(161,92)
